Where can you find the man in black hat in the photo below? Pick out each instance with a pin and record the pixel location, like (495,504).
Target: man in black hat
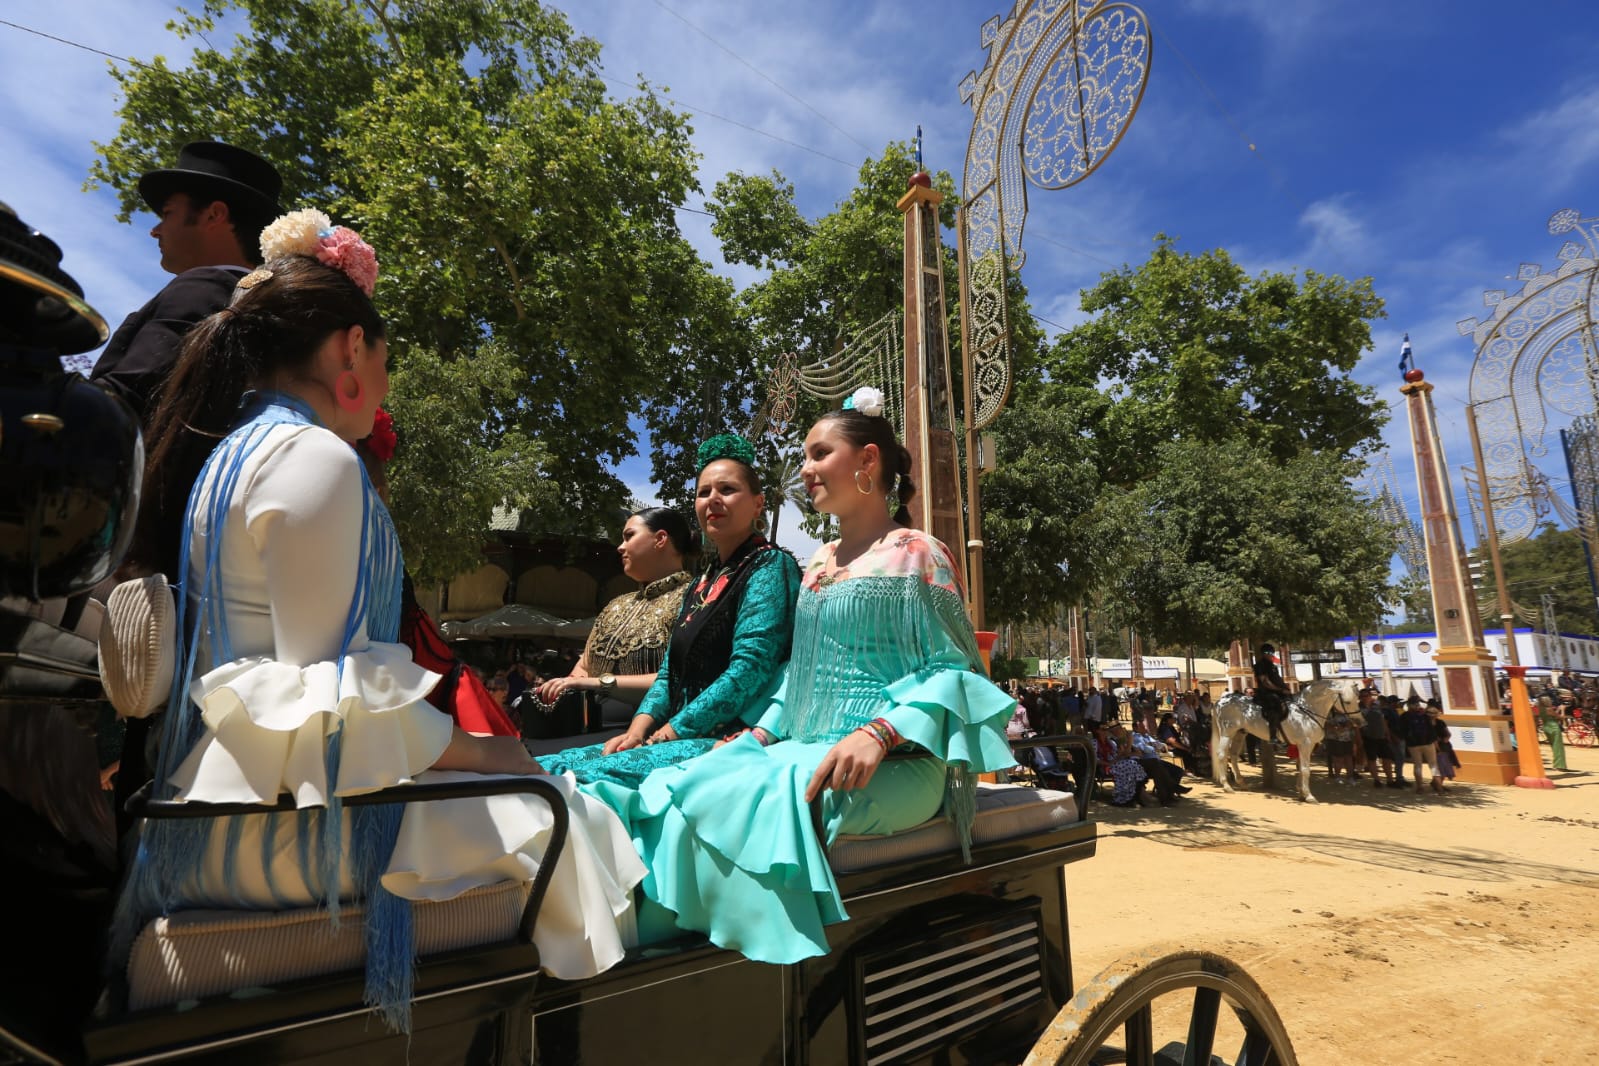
(1271,694)
(212,207)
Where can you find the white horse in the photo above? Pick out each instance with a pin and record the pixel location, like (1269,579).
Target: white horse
(1236,714)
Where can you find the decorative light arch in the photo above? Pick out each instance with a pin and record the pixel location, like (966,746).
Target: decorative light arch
(1536,359)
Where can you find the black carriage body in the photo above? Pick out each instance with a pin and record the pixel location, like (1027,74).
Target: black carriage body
(940,962)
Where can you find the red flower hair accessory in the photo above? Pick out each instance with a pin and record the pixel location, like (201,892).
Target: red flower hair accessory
(382,441)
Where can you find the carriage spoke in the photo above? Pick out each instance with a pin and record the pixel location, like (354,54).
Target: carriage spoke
(1202,1027)
(1257,1049)
(1140,1034)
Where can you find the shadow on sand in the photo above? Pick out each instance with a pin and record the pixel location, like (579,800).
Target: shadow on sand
(1202,819)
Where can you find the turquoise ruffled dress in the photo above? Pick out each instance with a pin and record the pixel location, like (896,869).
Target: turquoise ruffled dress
(728,837)
(726,682)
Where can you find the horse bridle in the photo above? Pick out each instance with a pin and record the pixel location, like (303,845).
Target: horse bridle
(1299,698)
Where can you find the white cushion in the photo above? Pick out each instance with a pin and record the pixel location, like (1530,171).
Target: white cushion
(207,953)
(1003,812)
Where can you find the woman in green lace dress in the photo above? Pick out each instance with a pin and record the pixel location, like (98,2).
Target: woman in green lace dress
(883,657)
(729,642)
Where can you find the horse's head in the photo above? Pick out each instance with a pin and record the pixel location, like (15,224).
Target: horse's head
(1323,695)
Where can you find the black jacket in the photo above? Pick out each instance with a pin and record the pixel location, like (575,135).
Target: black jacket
(144,348)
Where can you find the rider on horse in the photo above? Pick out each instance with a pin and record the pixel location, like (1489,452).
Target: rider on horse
(1271,695)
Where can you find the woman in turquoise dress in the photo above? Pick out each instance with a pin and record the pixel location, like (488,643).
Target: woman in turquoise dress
(884,657)
(730,640)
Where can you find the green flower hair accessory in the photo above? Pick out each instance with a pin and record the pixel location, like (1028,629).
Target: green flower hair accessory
(724,446)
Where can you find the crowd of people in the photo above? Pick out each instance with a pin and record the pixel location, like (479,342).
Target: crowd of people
(749,687)
(1148,739)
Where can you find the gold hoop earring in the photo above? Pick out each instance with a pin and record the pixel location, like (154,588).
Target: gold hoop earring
(867,491)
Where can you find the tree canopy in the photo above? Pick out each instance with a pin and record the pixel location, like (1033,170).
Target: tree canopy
(1231,543)
(1550,562)
(1185,456)
(525,222)
(826,280)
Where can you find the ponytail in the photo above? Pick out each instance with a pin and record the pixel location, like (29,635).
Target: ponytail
(274,326)
(904,488)
(195,408)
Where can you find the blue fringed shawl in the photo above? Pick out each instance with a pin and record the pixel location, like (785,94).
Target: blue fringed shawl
(171,853)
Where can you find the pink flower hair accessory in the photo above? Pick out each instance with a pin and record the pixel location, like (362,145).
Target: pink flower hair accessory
(343,249)
(311,233)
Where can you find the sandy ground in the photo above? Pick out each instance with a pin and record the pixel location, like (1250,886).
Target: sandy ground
(1386,927)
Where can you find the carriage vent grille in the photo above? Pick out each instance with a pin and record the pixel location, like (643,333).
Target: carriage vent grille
(940,990)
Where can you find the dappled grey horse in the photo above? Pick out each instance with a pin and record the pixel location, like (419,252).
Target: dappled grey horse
(1237,714)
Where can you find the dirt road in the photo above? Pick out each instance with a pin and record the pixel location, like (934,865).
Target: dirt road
(1386,927)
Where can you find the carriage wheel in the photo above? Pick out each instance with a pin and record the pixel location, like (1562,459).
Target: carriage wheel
(1117,1017)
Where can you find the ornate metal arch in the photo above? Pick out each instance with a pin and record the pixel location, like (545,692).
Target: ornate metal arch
(1536,357)
(1061,84)
(874,356)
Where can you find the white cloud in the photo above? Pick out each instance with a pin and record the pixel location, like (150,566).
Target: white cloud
(1336,231)
(1562,140)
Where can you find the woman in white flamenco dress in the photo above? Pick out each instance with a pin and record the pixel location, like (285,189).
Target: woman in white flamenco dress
(291,682)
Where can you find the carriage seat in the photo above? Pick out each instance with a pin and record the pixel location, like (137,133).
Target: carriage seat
(1003,812)
(216,952)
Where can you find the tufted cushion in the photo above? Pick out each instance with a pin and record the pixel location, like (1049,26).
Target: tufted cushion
(1003,811)
(207,953)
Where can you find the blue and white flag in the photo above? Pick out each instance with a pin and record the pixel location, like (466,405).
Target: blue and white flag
(1406,363)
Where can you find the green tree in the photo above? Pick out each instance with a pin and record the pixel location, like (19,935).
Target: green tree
(514,207)
(1415,597)
(1189,347)
(826,281)
(1551,562)
(1232,543)
(1050,540)
(1186,349)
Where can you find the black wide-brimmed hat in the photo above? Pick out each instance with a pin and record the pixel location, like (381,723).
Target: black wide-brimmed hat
(56,316)
(221,170)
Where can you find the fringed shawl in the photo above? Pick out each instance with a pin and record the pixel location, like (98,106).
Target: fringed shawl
(171,853)
(891,632)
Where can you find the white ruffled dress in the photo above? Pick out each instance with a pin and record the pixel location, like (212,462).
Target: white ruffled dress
(289,559)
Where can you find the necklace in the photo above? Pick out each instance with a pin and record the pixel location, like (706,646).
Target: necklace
(643,621)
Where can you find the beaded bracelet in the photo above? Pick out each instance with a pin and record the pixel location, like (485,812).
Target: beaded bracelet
(876,737)
(889,735)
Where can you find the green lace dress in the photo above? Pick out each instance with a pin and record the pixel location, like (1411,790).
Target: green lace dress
(728,837)
(725,655)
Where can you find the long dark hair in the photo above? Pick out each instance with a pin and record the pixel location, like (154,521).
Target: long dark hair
(276,325)
(860,430)
(673,524)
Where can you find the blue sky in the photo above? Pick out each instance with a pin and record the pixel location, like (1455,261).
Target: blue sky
(1422,142)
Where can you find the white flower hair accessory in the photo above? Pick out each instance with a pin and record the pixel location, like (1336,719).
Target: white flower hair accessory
(867,400)
(296,233)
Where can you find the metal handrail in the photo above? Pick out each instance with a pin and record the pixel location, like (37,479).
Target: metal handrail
(141,806)
(1083,762)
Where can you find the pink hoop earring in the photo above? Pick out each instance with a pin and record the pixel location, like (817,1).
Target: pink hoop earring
(348,391)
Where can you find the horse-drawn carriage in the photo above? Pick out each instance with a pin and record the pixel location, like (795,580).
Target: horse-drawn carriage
(941,961)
